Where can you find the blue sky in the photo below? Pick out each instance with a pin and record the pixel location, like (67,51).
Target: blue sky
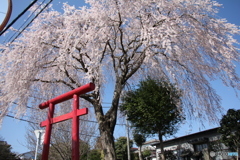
(13,131)
(3,9)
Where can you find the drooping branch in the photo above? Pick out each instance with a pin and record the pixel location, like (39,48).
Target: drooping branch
(53,82)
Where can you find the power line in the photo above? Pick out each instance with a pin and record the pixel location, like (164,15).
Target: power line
(32,20)
(22,119)
(25,10)
(91,121)
(26,106)
(26,20)
(79,118)
(38,123)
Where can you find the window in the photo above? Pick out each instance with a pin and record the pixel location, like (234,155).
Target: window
(200,147)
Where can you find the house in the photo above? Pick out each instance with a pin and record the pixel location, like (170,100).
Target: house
(202,145)
(149,146)
(133,150)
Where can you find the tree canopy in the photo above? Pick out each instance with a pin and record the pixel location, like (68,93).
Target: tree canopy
(117,42)
(5,151)
(154,108)
(94,154)
(121,148)
(139,139)
(230,129)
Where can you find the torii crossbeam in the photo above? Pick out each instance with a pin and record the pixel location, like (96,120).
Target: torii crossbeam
(74,115)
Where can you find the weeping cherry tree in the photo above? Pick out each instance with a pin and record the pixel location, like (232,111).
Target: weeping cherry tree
(115,43)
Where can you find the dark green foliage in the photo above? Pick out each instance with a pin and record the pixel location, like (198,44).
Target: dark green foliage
(230,129)
(84,149)
(139,139)
(5,151)
(134,156)
(216,145)
(146,153)
(121,148)
(154,107)
(94,154)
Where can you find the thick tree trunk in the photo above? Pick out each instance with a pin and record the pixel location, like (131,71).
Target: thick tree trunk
(106,128)
(107,124)
(107,140)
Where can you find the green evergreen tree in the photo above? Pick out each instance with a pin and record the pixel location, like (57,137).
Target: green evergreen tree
(95,154)
(146,153)
(139,139)
(154,108)
(5,151)
(230,129)
(121,148)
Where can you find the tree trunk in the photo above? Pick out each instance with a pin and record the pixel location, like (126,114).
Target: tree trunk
(238,153)
(107,140)
(140,153)
(162,155)
(107,124)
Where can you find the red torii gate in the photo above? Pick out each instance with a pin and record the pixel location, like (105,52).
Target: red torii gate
(74,115)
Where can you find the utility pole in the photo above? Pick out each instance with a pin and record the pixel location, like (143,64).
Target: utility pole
(39,134)
(128,146)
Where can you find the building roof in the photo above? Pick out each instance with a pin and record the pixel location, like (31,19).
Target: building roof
(133,149)
(152,141)
(29,152)
(213,130)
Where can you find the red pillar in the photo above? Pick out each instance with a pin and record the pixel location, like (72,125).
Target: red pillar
(75,128)
(48,131)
